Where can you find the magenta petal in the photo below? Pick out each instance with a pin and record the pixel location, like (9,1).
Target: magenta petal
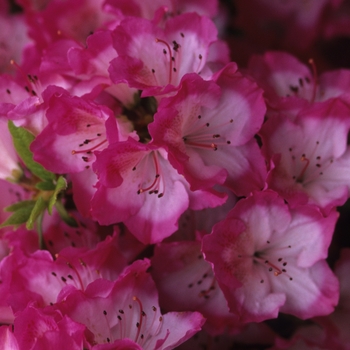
(265,255)
(130,311)
(76,129)
(7,338)
(154,194)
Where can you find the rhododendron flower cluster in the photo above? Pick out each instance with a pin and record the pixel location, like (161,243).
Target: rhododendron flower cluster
(173,175)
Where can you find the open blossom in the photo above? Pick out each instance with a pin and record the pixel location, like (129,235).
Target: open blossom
(25,106)
(42,329)
(38,279)
(208,129)
(59,20)
(127,311)
(266,256)
(291,85)
(58,234)
(18,241)
(154,194)
(76,128)
(310,157)
(154,59)
(90,65)
(282,76)
(186,282)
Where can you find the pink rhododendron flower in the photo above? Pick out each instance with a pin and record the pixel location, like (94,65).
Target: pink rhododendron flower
(282,75)
(310,155)
(154,194)
(142,176)
(26,106)
(194,224)
(265,256)
(64,20)
(39,278)
(91,64)
(132,149)
(291,85)
(38,329)
(186,282)
(58,234)
(12,243)
(127,310)
(208,129)
(154,59)
(23,105)
(76,128)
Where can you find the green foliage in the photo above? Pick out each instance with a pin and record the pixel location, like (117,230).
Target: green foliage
(45,186)
(21,214)
(39,208)
(22,139)
(61,185)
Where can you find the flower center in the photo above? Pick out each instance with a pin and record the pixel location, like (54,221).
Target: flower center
(308,167)
(271,259)
(79,274)
(173,54)
(135,323)
(33,85)
(156,185)
(204,135)
(96,142)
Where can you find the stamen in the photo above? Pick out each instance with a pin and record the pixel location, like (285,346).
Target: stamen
(199,137)
(272,267)
(200,57)
(303,159)
(312,166)
(315,79)
(34,86)
(138,324)
(170,57)
(154,187)
(89,150)
(108,326)
(77,274)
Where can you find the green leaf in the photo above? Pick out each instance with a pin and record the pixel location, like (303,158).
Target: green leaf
(18,217)
(45,186)
(39,207)
(22,140)
(19,205)
(61,185)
